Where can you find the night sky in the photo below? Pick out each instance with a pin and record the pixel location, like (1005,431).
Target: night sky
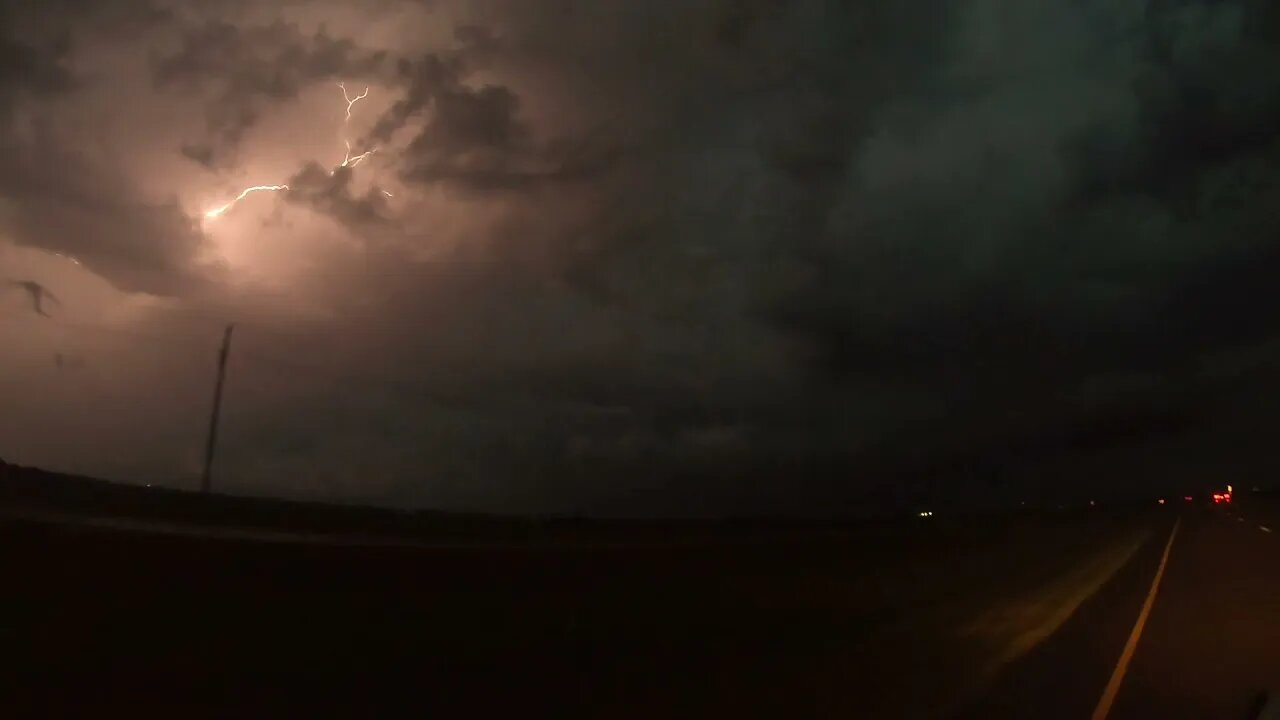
(644,257)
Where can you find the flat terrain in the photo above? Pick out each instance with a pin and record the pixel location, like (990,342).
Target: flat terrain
(1016,615)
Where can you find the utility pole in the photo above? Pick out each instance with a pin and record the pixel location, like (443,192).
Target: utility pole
(217,409)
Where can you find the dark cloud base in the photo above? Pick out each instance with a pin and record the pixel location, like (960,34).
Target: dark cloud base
(736,254)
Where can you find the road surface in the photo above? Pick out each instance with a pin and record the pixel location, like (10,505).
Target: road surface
(1209,646)
(1019,617)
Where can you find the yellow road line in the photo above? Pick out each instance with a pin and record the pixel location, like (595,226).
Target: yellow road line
(1117,676)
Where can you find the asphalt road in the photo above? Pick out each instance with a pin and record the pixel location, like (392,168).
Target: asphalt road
(1210,644)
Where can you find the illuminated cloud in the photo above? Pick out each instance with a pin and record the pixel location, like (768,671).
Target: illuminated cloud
(244,70)
(775,246)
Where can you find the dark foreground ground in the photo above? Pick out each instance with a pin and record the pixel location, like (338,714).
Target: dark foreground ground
(1021,615)
(1211,644)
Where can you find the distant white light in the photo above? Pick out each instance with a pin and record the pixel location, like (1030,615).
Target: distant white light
(926,513)
(1161,501)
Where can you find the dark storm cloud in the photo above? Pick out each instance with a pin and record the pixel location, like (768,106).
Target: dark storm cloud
(329,192)
(473,138)
(983,271)
(735,249)
(994,207)
(475,142)
(32,62)
(686,259)
(33,69)
(57,199)
(244,70)
(88,212)
(200,153)
(36,39)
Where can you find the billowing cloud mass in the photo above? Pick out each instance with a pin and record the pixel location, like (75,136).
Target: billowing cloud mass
(614,256)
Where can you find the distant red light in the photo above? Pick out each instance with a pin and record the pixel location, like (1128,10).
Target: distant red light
(1187,498)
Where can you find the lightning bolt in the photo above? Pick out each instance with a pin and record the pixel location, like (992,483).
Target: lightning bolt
(348,160)
(351,100)
(351,161)
(218,211)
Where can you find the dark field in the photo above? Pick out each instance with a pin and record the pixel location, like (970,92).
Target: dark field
(571,620)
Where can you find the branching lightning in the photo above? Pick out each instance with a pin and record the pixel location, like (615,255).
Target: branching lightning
(352,100)
(351,161)
(348,160)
